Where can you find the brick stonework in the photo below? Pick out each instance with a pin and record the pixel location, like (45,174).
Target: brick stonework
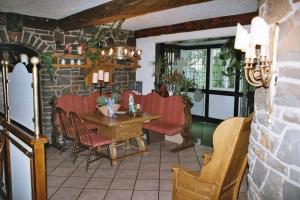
(274,150)
(67,80)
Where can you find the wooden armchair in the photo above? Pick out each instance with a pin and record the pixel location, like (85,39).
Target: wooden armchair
(222,172)
(65,128)
(87,139)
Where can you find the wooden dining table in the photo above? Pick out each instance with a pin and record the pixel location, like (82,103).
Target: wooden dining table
(121,127)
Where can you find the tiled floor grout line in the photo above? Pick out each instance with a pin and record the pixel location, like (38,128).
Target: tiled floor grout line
(89,177)
(53,171)
(112,180)
(67,176)
(197,157)
(136,177)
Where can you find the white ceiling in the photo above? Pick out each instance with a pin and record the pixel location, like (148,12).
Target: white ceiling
(57,9)
(54,9)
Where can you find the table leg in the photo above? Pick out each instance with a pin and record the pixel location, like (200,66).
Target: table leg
(141,143)
(113,150)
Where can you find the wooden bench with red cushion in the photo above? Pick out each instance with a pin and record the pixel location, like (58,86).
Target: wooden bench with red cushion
(78,104)
(171,110)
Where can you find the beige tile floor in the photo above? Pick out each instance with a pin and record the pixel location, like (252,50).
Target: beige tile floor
(139,177)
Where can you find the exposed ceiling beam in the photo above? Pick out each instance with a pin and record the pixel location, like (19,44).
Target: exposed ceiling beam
(29,21)
(204,24)
(119,9)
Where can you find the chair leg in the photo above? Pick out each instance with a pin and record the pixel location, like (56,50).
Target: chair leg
(108,154)
(62,146)
(88,160)
(75,153)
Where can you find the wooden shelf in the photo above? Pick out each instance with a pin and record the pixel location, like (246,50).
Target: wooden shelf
(67,56)
(57,57)
(69,66)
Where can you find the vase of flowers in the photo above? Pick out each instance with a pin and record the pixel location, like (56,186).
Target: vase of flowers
(108,106)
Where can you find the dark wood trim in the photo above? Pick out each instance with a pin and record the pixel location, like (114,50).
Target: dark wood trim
(218,22)
(35,22)
(19,133)
(20,147)
(207,120)
(118,10)
(39,23)
(207,83)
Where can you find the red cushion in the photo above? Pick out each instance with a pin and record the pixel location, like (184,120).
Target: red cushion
(152,103)
(163,127)
(94,140)
(173,110)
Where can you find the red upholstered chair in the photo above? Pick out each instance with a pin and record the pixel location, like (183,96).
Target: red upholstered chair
(84,138)
(65,128)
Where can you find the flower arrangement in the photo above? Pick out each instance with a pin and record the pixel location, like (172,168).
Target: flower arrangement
(104,100)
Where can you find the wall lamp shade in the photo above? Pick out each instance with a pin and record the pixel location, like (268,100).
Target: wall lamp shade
(257,68)
(241,38)
(259,31)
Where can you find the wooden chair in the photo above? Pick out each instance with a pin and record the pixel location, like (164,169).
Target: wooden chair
(89,140)
(222,173)
(65,128)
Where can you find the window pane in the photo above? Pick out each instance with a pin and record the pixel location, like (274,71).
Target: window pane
(197,65)
(217,79)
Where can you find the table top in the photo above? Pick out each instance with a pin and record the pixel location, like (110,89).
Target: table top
(119,119)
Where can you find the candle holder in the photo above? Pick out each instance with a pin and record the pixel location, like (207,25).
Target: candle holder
(101,85)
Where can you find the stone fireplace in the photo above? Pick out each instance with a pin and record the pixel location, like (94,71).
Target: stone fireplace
(274,150)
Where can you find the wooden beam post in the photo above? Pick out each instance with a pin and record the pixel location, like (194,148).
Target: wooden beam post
(197,25)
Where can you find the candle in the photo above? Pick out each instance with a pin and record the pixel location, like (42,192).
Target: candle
(125,52)
(247,55)
(139,52)
(102,53)
(263,51)
(95,78)
(132,53)
(252,51)
(100,75)
(110,52)
(106,77)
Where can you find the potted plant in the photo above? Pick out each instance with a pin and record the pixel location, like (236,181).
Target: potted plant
(47,61)
(108,105)
(233,60)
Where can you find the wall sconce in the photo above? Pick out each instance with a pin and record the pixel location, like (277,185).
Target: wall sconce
(258,71)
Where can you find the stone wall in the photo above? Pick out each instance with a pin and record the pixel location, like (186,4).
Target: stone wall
(274,151)
(68,80)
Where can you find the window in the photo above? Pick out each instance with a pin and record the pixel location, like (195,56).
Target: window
(203,65)
(218,80)
(197,65)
